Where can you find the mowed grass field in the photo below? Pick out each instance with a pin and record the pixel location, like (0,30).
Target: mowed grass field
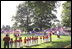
(56,43)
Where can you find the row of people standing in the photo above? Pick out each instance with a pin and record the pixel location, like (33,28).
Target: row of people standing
(28,41)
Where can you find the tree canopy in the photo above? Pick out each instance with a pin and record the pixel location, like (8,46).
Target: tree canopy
(66,15)
(34,14)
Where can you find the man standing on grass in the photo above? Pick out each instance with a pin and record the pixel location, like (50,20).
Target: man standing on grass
(58,34)
(50,35)
(6,41)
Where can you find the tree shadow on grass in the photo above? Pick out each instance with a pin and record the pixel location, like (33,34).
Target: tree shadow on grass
(53,44)
(59,44)
(32,46)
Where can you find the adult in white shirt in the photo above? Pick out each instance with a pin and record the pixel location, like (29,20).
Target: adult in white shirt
(58,34)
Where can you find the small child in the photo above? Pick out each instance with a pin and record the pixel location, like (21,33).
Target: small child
(41,38)
(37,40)
(11,43)
(28,41)
(20,42)
(32,40)
(16,42)
(46,38)
(25,40)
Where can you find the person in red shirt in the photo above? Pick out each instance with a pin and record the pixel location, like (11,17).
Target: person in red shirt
(37,40)
(46,38)
(33,40)
(11,42)
(16,42)
(41,38)
(20,42)
(6,41)
(50,36)
(30,41)
(25,40)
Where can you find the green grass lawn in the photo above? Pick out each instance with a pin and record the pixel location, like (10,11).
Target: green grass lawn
(56,43)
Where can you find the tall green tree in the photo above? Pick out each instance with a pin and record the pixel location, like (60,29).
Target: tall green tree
(22,18)
(42,11)
(36,12)
(3,27)
(66,16)
(7,27)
